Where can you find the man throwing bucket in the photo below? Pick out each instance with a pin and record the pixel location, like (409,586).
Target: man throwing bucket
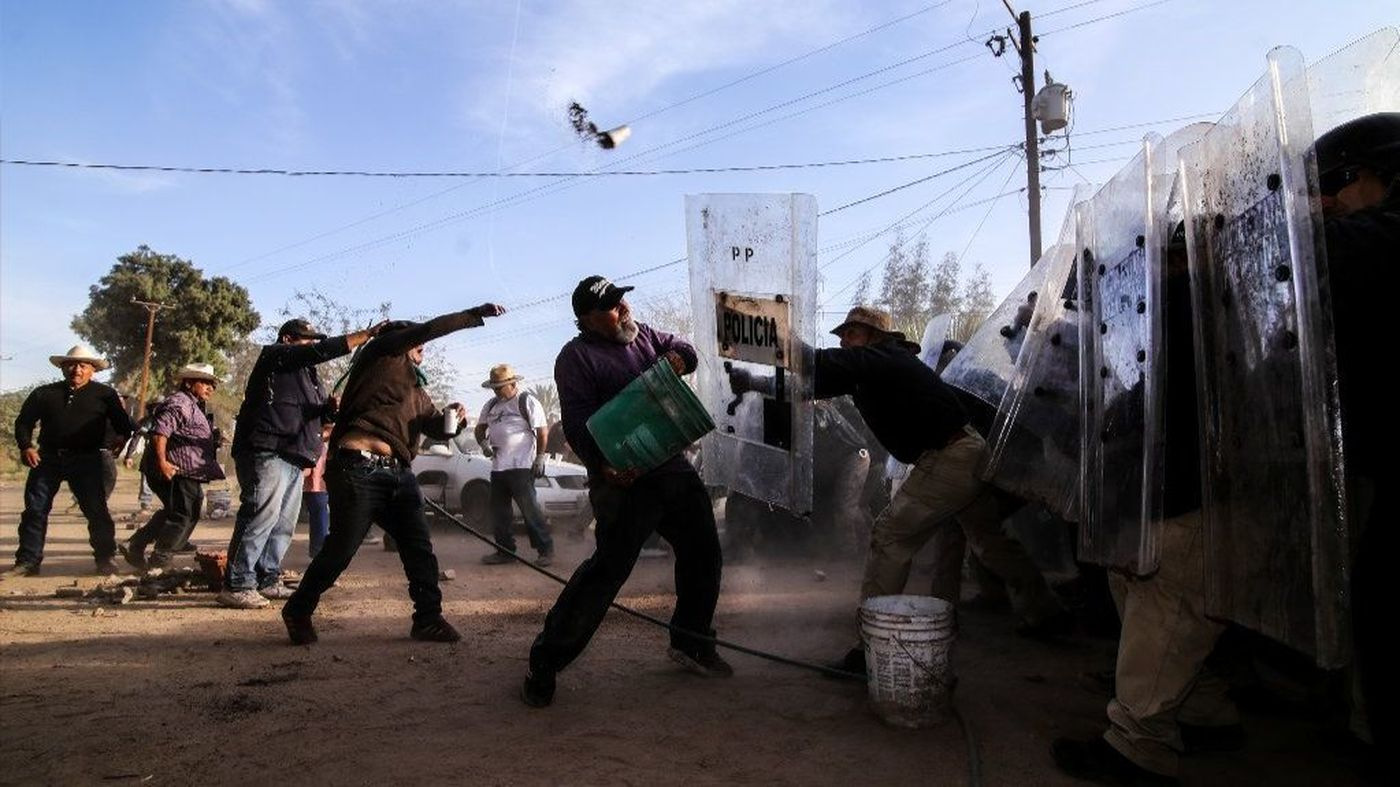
(610,351)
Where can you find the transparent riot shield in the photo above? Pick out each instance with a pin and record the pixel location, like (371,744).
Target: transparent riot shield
(988,359)
(1359,79)
(1034,439)
(753,279)
(1122,234)
(1274,502)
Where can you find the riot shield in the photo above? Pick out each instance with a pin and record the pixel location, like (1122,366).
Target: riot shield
(988,359)
(753,280)
(1034,439)
(1122,235)
(1274,500)
(1359,79)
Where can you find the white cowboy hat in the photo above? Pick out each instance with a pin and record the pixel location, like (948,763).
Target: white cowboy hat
(501,374)
(197,371)
(83,353)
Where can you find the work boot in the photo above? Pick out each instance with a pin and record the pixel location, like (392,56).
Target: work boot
(299,628)
(133,554)
(23,568)
(706,663)
(107,566)
(538,689)
(1096,761)
(853,664)
(545,559)
(277,592)
(497,559)
(436,630)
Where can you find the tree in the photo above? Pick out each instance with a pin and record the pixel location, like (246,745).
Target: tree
(862,293)
(334,318)
(10,402)
(943,295)
(669,312)
(548,397)
(977,304)
(202,320)
(905,287)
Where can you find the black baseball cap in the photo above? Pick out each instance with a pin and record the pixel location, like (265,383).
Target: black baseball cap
(299,329)
(597,293)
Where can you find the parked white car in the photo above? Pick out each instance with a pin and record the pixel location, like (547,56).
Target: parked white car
(456,476)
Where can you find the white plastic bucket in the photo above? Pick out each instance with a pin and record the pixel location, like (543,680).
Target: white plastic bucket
(908,655)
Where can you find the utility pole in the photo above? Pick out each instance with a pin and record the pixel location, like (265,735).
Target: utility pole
(1024,42)
(151,309)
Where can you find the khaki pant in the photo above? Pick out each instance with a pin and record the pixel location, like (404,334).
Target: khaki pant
(1160,679)
(945,499)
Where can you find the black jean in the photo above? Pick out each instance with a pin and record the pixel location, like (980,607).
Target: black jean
(181,499)
(83,472)
(363,493)
(674,505)
(518,486)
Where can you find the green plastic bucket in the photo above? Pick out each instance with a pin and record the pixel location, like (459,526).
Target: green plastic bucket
(651,420)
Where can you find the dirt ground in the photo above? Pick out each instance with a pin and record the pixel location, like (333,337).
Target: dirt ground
(179,691)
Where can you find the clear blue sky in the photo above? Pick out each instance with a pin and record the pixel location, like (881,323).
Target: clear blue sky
(483,86)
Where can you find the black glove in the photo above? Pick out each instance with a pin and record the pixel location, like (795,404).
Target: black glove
(740,381)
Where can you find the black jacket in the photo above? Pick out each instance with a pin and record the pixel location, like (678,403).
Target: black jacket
(903,402)
(284,403)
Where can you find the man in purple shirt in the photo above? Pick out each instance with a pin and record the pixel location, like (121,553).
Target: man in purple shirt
(181,460)
(610,351)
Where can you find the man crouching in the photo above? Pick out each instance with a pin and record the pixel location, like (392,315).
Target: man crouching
(369,476)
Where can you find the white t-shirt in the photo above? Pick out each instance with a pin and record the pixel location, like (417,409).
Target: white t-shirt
(510,436)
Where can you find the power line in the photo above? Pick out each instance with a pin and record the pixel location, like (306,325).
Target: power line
(1098,19)
(488,174)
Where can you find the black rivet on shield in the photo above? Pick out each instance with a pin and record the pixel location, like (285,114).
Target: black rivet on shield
(1219,221)
(724,296)
(724,346)
(778,354)
(1103,328)
(1102,270)
(1103,371)
(1088,257)
(1069,304)
(1290,340)
(1273,182)
(1141,241)
(1282,273)
(1055,339)
(729,429)
(1142,307)
(780,299)
(1142,356)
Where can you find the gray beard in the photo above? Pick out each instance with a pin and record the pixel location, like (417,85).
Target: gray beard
(626,332)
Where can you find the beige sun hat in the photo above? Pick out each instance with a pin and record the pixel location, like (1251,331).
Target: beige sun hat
(82,353)
(871,318)
(198,371)
(501,374)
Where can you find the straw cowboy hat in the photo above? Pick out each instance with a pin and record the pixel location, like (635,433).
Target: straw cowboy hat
(83,354)
(871,318)
(198,371)
(501,374)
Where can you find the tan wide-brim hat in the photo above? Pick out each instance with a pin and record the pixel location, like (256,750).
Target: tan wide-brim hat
(871,318)
(81,353)
(501,374)
(198,371)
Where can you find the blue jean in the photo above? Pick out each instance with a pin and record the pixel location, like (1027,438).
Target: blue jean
(519,486)
(268,498)
(83,472)
(363,494)
(318,513)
